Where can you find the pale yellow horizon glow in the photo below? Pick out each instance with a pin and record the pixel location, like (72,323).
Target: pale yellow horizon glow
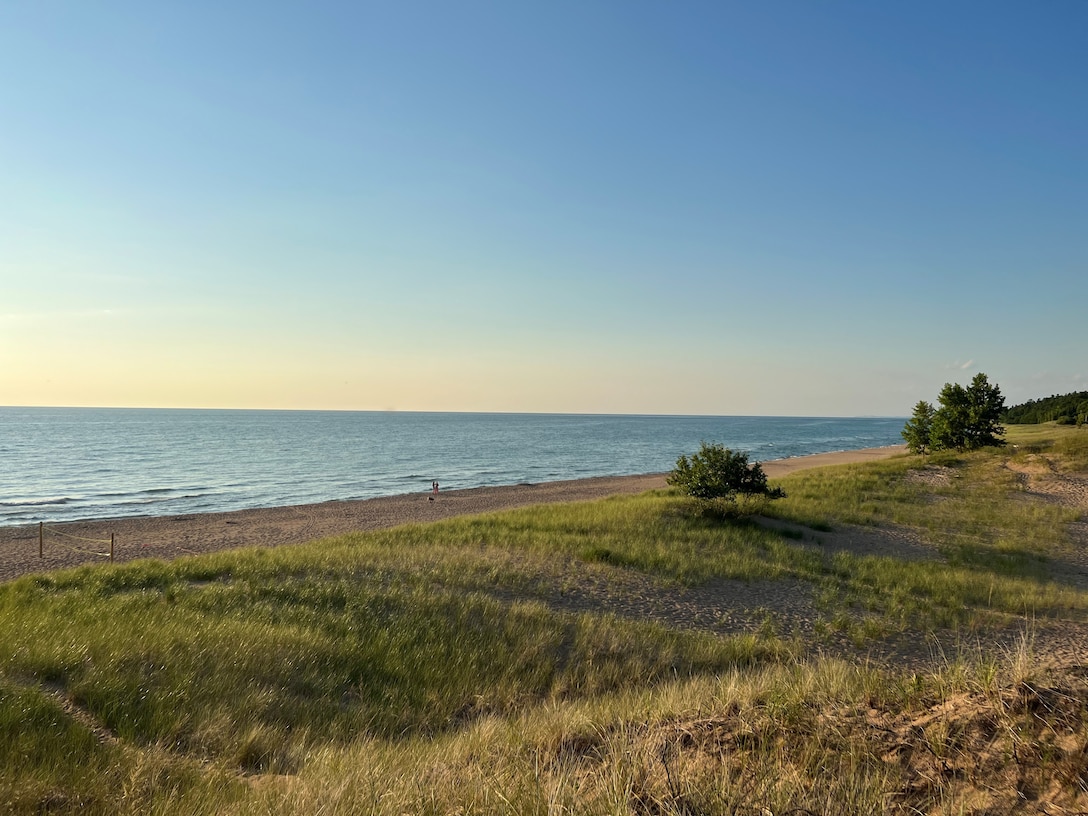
(253,376)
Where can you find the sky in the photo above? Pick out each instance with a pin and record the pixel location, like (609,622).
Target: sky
(715,208)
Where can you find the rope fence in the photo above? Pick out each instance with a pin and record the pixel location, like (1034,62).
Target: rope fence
(41,542)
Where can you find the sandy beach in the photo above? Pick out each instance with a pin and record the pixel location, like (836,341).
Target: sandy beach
(74,543)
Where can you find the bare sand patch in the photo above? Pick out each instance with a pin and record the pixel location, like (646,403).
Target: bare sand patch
(931,476)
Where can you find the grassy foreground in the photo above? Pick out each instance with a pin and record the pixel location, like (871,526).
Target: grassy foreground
(530,662)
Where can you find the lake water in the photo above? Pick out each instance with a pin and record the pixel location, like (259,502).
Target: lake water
(64,464)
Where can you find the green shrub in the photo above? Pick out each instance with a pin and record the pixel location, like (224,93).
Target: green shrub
(716,472)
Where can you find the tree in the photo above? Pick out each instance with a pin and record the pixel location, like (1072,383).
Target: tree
(950,421)
(716,472)
(1067,408)
(985,407)
(919,428)
(968,418)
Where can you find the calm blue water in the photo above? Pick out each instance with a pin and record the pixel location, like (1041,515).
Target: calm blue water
(64,464)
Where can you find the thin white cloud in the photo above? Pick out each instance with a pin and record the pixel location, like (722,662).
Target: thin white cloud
(37,317)
(958,366)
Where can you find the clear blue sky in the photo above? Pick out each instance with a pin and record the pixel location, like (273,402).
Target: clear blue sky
(825,208)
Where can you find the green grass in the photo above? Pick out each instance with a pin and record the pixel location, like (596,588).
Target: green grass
(1000,555)
(1067,446)
(47,756)
(159,655)
(657,534)
(252,661)
(448,667)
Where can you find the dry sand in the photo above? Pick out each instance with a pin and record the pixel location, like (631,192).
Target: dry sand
(74,543)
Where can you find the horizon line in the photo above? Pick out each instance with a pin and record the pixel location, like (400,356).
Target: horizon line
(463,412)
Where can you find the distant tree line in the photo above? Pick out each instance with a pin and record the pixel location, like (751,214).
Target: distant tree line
(1068,409)
(966,419)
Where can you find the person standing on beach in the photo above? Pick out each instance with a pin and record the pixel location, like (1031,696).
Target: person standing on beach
(434,488)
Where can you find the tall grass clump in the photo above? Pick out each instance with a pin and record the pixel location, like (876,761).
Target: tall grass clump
(824,737)
(1072,448)
(873,493)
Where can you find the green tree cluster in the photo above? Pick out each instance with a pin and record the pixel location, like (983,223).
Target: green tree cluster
(1066,409)
(968,418)
(716,472)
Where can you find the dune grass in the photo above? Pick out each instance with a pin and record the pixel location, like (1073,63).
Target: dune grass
(999,553)
(196,653)
(253,660)
(1065,446)
(439,668)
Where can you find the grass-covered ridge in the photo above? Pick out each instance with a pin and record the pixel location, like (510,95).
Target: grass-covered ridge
(530,661)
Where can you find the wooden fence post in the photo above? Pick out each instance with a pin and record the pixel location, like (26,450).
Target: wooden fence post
(111,548)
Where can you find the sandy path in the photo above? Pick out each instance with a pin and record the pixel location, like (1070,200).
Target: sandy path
(74,543)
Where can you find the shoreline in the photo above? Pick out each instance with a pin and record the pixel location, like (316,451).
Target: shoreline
(74,543)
